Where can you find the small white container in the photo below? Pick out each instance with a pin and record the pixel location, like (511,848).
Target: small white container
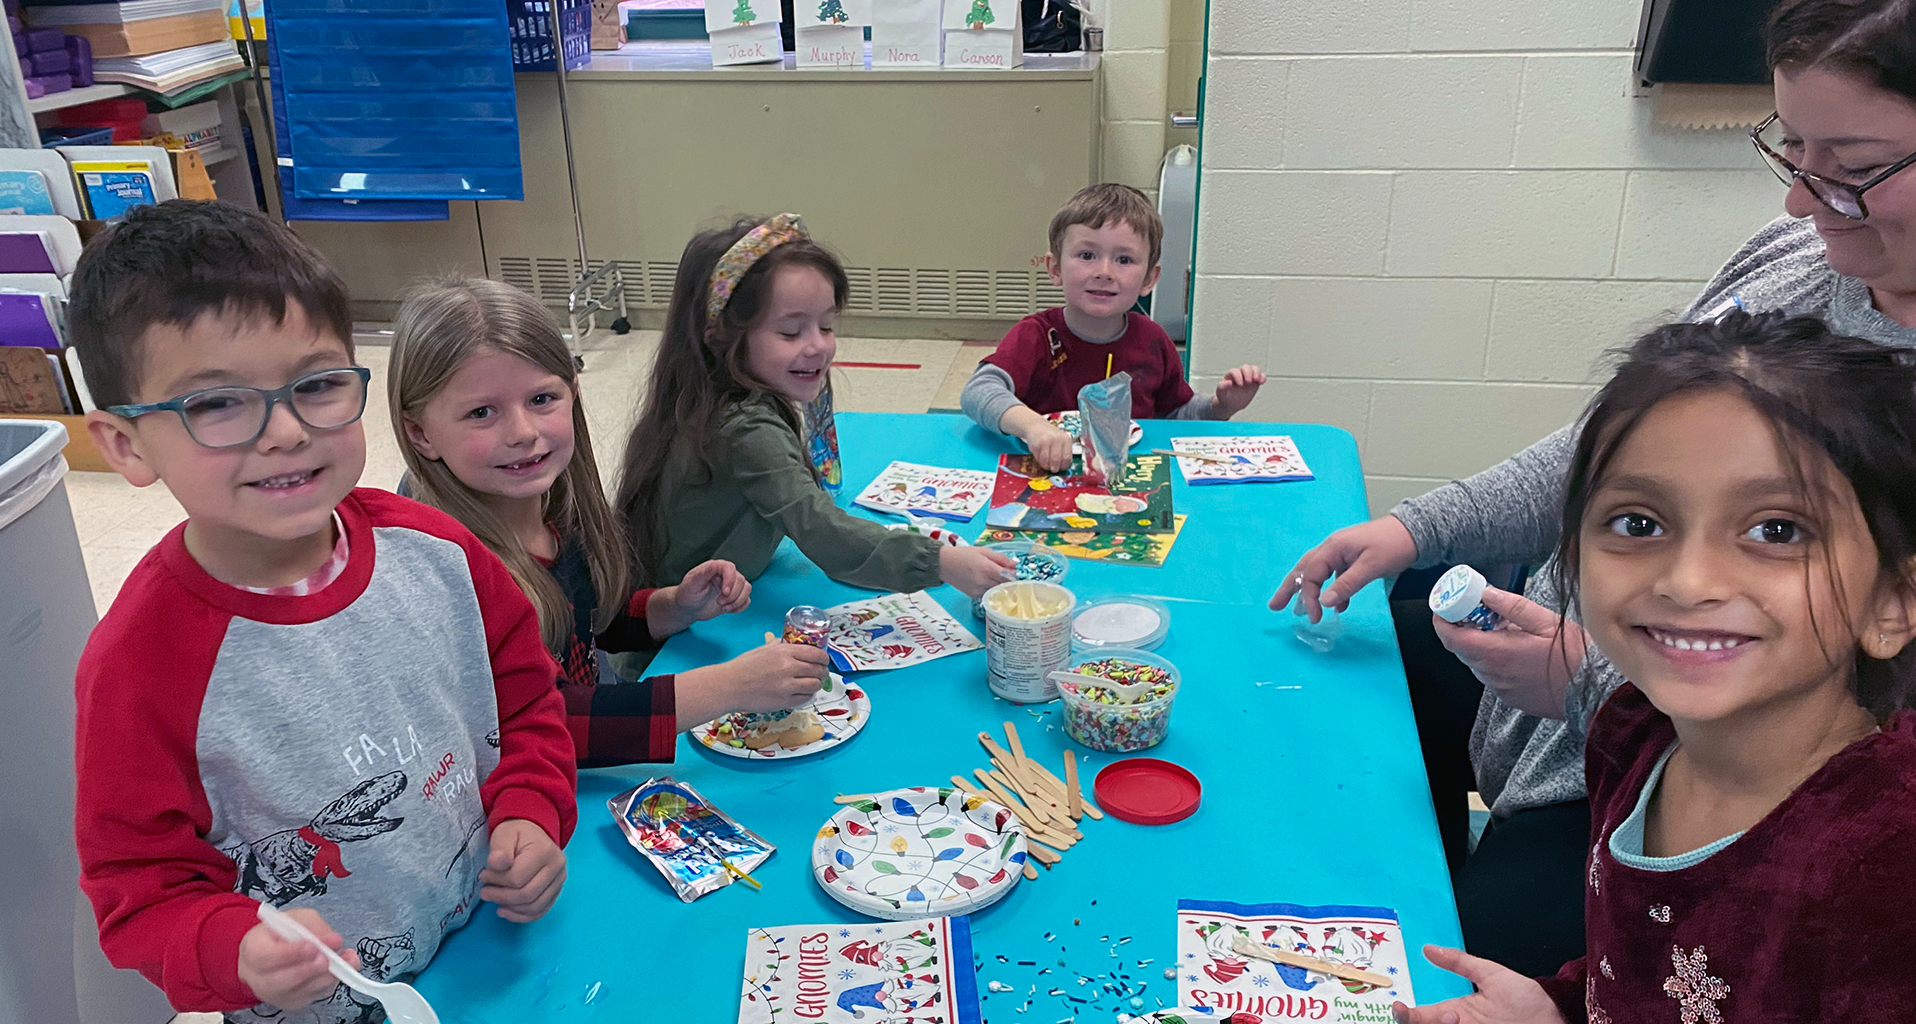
(1027,637)
(1458,598)
(1138,623)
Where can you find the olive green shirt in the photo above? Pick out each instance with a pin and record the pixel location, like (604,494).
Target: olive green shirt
(760,490)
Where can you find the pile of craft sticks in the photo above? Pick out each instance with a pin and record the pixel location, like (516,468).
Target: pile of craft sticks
(1048,807)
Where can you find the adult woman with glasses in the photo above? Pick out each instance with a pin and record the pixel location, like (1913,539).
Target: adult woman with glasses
(1844,141)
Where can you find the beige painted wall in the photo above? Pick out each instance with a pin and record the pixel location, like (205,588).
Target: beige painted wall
(1428,218)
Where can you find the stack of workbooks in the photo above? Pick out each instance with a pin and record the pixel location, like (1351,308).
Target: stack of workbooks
(163,46)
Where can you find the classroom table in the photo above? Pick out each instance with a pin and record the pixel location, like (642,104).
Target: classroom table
(1314,786)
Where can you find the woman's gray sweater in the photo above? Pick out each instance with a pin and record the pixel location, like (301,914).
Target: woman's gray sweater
(1510,513)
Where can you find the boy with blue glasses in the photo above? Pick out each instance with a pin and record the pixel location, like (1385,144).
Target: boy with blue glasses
(326,698)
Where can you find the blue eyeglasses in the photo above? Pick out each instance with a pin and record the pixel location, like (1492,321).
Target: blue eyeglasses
(228,417)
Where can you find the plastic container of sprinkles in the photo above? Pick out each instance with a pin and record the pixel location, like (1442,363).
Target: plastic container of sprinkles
(1036,562)
(1103,719)
(1137,623)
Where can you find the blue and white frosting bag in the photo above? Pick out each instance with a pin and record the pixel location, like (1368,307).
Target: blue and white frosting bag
(1458,598)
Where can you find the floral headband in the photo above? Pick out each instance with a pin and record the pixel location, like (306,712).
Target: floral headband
(786,227)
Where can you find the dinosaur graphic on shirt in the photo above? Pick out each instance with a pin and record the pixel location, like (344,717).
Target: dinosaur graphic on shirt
(284,866)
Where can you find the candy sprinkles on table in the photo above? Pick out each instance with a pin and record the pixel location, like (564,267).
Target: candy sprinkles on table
(1121,992)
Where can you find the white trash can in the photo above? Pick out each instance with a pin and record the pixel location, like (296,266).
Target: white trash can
(50,961)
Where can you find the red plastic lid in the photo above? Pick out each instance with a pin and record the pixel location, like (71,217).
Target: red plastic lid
(1147,791)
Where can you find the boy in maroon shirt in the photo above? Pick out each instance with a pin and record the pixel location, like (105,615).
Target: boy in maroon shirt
(1104,254)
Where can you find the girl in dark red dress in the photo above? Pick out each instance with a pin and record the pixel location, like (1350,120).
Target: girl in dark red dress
(1739,534)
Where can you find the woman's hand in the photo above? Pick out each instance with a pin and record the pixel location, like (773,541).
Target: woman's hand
(1355,555)
(1503,996)
(1524,660)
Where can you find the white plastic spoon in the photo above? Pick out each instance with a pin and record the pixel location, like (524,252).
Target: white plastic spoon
(1128,693)
(404,1004)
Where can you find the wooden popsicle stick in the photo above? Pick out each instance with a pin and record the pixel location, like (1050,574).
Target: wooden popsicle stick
(1031,872)
(852,798)
(1045,843)
(1245,947)
(1037,796)
(1034,828)
(1084,798)
(1191,455)
(1071,789)
(1043,811)
(1007,761)
(1041,852)
(1012,741)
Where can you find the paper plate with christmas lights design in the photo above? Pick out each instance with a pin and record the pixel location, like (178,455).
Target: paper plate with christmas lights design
(919,852)
(834,714)
(1071,423)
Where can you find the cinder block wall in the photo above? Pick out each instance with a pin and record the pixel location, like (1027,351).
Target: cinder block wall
(1429,218)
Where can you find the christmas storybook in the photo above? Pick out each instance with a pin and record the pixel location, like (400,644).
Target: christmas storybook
(1028,497)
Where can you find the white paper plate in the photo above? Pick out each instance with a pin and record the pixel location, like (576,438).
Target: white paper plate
(919,852)
(843,708)
(1069,421)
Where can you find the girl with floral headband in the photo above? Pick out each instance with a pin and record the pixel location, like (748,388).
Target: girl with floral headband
(716,466)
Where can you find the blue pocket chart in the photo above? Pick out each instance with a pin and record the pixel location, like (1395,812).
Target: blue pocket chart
(396,99)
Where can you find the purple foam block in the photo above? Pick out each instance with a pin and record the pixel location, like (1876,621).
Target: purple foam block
(14,24)
(51,83)
(40,40)
(51,62)
(82,53)
(34,89)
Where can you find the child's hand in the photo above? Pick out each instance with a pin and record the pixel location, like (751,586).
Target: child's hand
(287,973)
(1051,446)
(712,589)
(524,871)
(777,676)
(1503,996)
(974,570)
(1236,390)
(769,678)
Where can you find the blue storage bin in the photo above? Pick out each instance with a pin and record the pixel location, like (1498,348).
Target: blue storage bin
(74,135)
(530,22)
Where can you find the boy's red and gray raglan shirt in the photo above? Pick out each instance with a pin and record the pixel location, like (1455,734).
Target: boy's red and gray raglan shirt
(346,751)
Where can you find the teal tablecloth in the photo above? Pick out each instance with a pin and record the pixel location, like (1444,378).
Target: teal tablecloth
(1314,788)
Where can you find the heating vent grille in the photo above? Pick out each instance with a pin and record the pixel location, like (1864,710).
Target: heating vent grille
(885,291)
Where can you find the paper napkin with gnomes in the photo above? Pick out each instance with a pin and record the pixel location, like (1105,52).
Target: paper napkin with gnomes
(1216,982)
(909,488)
(905,972)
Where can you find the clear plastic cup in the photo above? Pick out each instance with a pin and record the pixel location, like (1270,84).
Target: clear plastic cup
(1117,727)
(1321,635)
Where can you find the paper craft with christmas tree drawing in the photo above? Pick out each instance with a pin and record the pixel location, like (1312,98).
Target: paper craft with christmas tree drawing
(908,972)
(980,15)
(1026,496)
(743,13)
